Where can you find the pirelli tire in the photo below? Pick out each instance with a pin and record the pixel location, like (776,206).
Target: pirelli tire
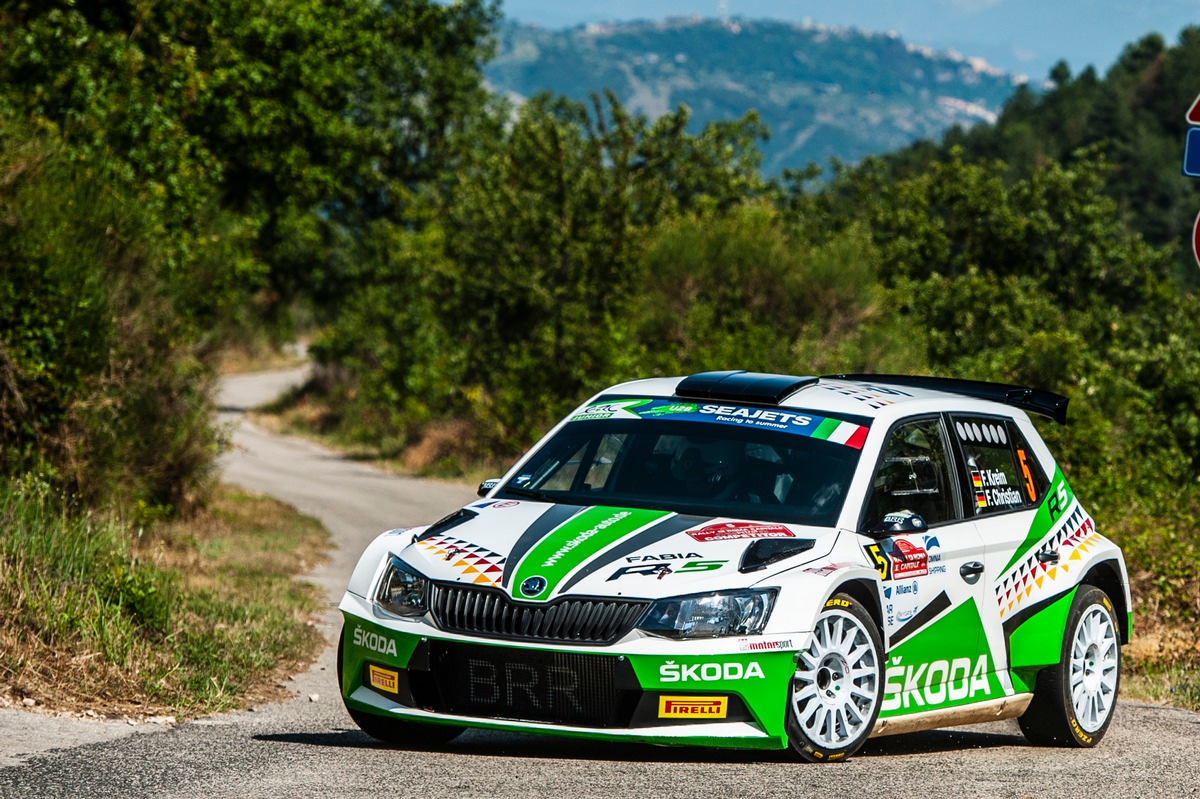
(836,692)
(397,732)
(1073,700)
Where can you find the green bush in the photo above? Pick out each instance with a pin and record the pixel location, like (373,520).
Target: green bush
(102,388)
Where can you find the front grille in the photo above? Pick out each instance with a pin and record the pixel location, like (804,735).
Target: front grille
(524,684)
(475,610)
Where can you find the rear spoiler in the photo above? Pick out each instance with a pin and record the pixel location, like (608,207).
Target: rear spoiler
(1034,400)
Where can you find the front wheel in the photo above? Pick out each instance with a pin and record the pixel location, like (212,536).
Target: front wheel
(835,694)
(1073,700)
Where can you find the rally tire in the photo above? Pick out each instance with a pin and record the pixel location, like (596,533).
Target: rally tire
(836,692)
(1074,700)
(396,732)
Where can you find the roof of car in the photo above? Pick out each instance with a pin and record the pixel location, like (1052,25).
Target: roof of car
(862,395)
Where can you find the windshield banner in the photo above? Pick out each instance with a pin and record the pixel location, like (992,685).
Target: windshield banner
(787,421)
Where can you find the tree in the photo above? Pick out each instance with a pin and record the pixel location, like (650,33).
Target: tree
(297,117)
(519,312)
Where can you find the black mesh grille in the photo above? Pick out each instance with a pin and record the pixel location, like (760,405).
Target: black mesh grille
(475,610)
(524,684)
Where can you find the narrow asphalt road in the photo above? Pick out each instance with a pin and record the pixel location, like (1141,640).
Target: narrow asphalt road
(308,747)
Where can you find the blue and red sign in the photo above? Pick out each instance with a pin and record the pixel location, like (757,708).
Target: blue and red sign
(1191,153)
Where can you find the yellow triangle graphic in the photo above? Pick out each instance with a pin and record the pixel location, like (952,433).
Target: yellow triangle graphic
(1053,569)
(1039,581)
(460,564)
(470,570)
(483,578)
(1075,555)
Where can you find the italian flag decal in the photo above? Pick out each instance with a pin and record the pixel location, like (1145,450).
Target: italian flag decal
(838,432)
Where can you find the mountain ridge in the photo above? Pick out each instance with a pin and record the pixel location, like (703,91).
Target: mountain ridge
(825,92)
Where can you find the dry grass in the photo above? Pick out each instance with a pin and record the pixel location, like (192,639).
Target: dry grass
(230,620)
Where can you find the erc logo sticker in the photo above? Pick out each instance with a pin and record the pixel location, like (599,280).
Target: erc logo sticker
(691,707)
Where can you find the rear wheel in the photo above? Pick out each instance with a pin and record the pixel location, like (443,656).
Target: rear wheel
(399,732)
(1073,700)
(835,694)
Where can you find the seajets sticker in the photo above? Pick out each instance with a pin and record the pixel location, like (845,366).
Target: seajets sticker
(820,427)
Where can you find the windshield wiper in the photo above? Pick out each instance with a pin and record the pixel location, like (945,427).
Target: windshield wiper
(530,493)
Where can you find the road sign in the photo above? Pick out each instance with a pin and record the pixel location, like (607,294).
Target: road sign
(1196,239)
(1191,154)
(1193,114)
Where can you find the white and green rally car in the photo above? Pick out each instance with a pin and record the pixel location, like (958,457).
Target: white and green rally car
(751,560)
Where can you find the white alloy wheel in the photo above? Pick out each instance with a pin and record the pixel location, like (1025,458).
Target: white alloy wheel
(1094,665)
(1074,699)
(836,689)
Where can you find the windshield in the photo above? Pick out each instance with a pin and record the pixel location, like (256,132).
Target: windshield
(773,464)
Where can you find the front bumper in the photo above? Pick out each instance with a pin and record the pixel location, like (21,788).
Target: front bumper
(701,693)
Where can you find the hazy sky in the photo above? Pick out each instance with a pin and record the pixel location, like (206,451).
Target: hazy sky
(1023,36)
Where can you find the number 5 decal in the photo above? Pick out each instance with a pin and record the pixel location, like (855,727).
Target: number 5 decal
(882,562)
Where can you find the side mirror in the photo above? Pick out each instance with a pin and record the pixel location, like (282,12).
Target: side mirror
(899,522)
(487,485)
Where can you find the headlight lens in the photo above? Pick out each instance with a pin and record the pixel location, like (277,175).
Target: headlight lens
(710,615)
(402,591)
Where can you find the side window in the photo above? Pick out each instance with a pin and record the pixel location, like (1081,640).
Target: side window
(1002,473)
(913,474)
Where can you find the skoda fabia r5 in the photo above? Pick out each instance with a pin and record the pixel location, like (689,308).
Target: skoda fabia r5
(759,561)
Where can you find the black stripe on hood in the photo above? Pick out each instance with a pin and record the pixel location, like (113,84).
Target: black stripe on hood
(554,516)
(657,532)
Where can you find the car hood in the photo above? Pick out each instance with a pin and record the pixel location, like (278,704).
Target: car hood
(536,552)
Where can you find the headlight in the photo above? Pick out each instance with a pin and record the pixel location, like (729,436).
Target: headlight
(710,615)
(402,591)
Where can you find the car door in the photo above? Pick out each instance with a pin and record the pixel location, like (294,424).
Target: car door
(929,556)
(1004,485)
